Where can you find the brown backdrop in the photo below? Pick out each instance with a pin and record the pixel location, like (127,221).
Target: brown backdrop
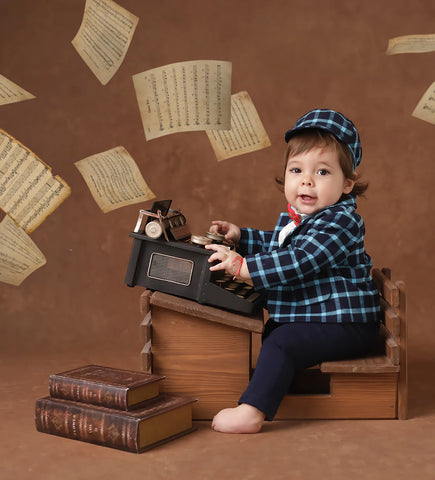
(290,56)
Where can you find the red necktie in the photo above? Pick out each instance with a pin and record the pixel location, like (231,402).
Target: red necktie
(293,215)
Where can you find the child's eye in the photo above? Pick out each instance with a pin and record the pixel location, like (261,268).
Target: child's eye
(295,170)
(323,171)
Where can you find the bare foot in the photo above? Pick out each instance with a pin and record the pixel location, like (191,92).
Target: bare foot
(242,419)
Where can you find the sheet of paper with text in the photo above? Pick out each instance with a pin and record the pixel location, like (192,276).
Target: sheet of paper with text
(425,109)
(247,132)
(104,37)
(184,96)
(11,92)
(411,44)
(28,190)
(114,179)
(19,256)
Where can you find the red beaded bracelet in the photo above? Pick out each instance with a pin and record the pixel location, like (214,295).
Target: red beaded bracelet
(240,260)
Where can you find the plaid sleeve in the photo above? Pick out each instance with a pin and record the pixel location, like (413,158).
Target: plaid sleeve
(327,243)
(253,241)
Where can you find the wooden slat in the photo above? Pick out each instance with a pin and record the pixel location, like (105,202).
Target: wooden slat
(371,364)
(146,358)
(144,302)
(352,396)
(212,314)
(146,328)
(392,349)
(386,287)
(391,319)
(402,387)
(387,272)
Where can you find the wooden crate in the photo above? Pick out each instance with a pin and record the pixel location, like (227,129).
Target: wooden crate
(204,352)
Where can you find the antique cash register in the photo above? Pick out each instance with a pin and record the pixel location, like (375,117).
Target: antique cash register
(166,257)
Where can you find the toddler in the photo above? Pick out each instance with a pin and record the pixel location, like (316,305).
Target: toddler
(321,300)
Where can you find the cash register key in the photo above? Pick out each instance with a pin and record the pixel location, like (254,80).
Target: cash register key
(200,240)
(153,229)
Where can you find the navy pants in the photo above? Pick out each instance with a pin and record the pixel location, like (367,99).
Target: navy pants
(288,347)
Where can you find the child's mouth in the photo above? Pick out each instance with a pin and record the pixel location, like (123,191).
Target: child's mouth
(307,198)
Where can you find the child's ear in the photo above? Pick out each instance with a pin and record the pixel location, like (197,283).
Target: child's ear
(348,185)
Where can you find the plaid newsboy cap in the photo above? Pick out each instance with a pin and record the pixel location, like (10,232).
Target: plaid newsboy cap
(333,122)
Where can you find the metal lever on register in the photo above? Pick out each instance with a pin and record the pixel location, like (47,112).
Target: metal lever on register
(172,225)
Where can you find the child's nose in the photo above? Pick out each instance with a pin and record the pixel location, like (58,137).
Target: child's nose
(307,181)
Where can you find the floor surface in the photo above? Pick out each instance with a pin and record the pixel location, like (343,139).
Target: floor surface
(316,449)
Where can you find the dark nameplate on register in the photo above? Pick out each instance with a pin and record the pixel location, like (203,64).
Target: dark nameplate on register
(167,258)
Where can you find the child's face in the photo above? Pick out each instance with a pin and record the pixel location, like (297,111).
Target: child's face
(315,180)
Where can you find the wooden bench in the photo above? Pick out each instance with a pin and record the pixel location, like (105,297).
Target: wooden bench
(209,353)
(375,386)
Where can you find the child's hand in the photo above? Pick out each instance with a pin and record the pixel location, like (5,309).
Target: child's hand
(231,231)
(229,260)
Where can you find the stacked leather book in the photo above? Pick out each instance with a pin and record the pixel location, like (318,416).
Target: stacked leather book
(116,408)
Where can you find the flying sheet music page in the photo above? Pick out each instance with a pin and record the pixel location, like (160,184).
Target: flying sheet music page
(28,190)
(104,37)
(247,132)
(184,96)
(11,92)
(411,44)
(425,109)
(114,179)
(19,256)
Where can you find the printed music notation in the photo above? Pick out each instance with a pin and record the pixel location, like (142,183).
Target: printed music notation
(425,109)
(114,179)
(184,96)
(19,256)
(411,44)
(28,190)
(10,92)
(104,37)
(247,132)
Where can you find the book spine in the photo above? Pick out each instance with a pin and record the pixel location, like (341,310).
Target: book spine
(86,424)
(86,392)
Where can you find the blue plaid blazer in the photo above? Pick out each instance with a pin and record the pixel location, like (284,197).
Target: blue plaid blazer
(321,273)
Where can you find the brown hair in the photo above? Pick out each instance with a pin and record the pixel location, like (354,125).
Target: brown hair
(308,139)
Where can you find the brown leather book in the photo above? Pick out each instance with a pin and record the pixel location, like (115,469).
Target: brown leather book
(105,386)
(162,419)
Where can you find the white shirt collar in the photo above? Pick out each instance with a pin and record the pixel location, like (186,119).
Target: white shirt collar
(289,228)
